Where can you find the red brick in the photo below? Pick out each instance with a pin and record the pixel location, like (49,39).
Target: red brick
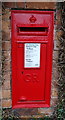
(26,112)
(0,7)
(6,85)
(0,105)
(6,94)
(54,83)
(7,55)
(6,103)
(6,36)
(55,62)
(46,111)
(58,23)
(0,93)
(41,5)
(9,4)
(6,66)
(55,55)
(6,45)
(56,44)
(59,33)
(53,102)
(54,92)
(20,4)
(0,64)
(6,15)
(58,14)
(55,74)
(6,26)
(6,76)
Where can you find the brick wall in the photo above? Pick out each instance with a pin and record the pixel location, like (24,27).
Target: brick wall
(0,58)
(6,53)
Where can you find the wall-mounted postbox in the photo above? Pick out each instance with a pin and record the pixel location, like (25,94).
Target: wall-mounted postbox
(32,46)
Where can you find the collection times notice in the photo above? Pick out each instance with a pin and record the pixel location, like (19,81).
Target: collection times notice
(31,55)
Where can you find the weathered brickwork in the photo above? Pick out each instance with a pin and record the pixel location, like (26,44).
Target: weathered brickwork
(6,52)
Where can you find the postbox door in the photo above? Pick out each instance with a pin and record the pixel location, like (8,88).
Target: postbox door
(30,82)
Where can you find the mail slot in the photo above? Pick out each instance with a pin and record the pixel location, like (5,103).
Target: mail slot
(32,30)
(32,48)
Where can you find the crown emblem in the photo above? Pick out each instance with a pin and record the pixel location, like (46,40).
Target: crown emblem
(32,19)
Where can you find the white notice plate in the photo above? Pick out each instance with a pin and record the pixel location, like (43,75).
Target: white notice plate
(31,55)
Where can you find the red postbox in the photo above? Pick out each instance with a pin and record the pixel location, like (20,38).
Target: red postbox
(32,46)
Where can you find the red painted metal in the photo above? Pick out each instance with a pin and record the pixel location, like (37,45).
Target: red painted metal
(31,86)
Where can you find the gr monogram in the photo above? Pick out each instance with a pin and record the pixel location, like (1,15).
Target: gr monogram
(31,78)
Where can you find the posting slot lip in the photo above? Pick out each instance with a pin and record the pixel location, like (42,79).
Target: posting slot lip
(20,42)
(32,30)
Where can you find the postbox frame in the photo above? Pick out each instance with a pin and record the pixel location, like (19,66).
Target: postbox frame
(49,50)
